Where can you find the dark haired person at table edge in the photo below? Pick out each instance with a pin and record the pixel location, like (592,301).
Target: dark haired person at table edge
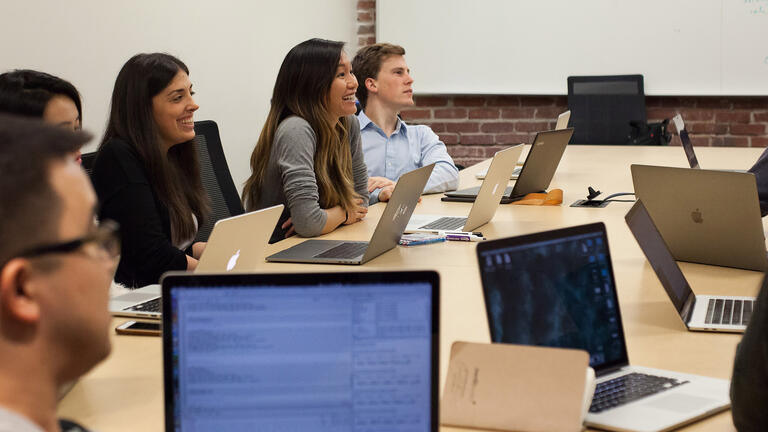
(146,173)
(30,93)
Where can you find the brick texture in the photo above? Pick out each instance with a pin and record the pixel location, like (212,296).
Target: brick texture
(473,127)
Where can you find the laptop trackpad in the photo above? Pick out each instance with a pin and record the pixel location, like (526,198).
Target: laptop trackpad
(681,403)
(310,248)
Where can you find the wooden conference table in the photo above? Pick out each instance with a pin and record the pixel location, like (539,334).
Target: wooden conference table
(125,393)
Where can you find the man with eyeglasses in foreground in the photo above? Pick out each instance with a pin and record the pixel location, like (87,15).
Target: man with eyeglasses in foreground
(56,265)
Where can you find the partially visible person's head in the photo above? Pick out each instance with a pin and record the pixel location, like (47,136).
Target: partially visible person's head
(153,109)
(383,73)
(53,290)
(36,94)
(315,82)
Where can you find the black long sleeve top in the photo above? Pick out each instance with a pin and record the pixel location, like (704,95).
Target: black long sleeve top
(749,383)
(760,170)
(127,197)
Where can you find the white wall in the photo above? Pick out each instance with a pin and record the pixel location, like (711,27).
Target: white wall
(233,49)
(682,47)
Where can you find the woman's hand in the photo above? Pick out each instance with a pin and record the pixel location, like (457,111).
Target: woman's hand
(197,249)
(357,213)
(288,225)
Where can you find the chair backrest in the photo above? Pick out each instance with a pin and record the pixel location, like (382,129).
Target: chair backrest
(602,107)
(88,160)
(217,181)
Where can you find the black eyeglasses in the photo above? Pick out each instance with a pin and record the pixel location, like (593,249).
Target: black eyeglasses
(106,238)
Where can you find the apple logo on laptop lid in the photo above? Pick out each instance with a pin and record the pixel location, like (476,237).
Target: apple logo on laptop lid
(233,260)
(697,217)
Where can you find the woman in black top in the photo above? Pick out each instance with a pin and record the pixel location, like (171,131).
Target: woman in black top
(146,173)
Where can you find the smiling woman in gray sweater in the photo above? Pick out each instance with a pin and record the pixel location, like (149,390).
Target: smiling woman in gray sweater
(309,156)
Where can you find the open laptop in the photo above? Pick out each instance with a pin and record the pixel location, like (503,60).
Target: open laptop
(393,220)
(686,141)
(322,352)
(537,172)
(705,216)
(485,205)
(557,288)
(705,313)
(690,154)
(235,244)
(562,123)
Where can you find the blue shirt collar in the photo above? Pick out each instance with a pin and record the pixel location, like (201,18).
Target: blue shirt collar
(365,121)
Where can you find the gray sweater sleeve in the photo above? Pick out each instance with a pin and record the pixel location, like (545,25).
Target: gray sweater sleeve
(359,170)
(294,152)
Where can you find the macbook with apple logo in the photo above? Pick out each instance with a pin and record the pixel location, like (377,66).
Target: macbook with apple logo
(387,234)
(236,244)
(705,216)
(698,312)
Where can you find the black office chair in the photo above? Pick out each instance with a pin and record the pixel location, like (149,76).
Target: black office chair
(217,181)
(88,160)
(602,107)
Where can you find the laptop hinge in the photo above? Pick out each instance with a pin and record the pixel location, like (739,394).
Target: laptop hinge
(687,311)
(610,370)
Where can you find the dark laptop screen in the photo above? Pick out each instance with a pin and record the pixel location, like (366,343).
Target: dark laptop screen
(688,148)
(555,289)
(658,254)
(312,354)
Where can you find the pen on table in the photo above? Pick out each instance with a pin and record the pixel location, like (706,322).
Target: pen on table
(463,237)
(462,233)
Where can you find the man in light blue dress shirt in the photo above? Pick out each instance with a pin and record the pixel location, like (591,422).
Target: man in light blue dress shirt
(392,147)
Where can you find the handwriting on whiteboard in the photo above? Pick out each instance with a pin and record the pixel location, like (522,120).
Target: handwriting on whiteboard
(756,7)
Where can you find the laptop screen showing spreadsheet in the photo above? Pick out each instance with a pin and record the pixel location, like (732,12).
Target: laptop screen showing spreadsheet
(555,289)
(313,352)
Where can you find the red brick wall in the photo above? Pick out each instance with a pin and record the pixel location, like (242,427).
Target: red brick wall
(474,127)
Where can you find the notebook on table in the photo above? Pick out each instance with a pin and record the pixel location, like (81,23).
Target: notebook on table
(393,220)
(537,171)
(705,216)
(702,312)
(557,289)
(483,208)
(235,244)
(322,352)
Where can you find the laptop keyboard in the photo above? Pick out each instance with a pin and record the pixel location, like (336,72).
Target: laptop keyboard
(446,224)
(344,251)
(628,388)
(729,311)
(153,305)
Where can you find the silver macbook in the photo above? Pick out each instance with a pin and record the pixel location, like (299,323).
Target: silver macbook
(483,208)
(557,289)
(537,172)
(562,123)
(386,236)
(705,216)
(236,244)
(705,313)
(328,352)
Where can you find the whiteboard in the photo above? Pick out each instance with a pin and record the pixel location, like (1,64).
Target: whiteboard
(233,48)
(682,47)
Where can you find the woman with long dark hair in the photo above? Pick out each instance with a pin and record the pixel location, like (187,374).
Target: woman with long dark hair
(146,173)
(309,156)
